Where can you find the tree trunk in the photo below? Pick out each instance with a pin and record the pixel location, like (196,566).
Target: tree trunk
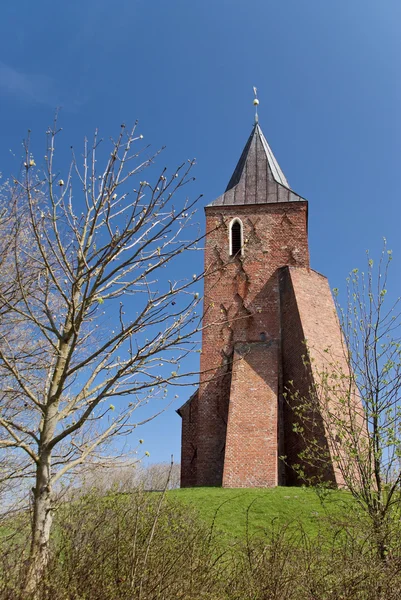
(41,525)
(380,533)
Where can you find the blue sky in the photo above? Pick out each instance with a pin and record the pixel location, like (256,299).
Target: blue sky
(329,81)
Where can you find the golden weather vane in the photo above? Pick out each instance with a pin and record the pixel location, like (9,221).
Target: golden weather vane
(256,103)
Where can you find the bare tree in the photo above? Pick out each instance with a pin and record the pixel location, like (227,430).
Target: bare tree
(157,476)
(14,470)
(93,310)
(124,476)
(358,401)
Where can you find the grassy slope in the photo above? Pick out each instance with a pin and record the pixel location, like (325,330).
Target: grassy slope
(229,508)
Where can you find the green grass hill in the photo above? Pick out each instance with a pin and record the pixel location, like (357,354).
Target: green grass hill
(233,510)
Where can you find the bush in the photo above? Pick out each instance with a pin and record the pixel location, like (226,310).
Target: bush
(135,546)
(144,546)
(287,564)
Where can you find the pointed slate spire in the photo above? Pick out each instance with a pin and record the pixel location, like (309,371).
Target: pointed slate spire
(257,178)
(257,153)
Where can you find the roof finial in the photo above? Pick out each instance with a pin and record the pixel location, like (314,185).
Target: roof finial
(256,104)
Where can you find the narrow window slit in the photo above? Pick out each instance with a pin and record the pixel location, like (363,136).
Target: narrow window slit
(236,238)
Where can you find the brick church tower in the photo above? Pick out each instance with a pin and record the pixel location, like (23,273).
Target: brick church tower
(261,302)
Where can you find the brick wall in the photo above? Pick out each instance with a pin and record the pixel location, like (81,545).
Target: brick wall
(310,329)
(251,441)
(259,309)
(189,415)
(242,305)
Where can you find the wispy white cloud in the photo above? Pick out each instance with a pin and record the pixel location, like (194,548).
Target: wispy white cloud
(31,87)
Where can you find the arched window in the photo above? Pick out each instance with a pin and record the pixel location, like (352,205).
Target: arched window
(236,237)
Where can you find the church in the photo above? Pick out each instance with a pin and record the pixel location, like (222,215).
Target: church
(262,302)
